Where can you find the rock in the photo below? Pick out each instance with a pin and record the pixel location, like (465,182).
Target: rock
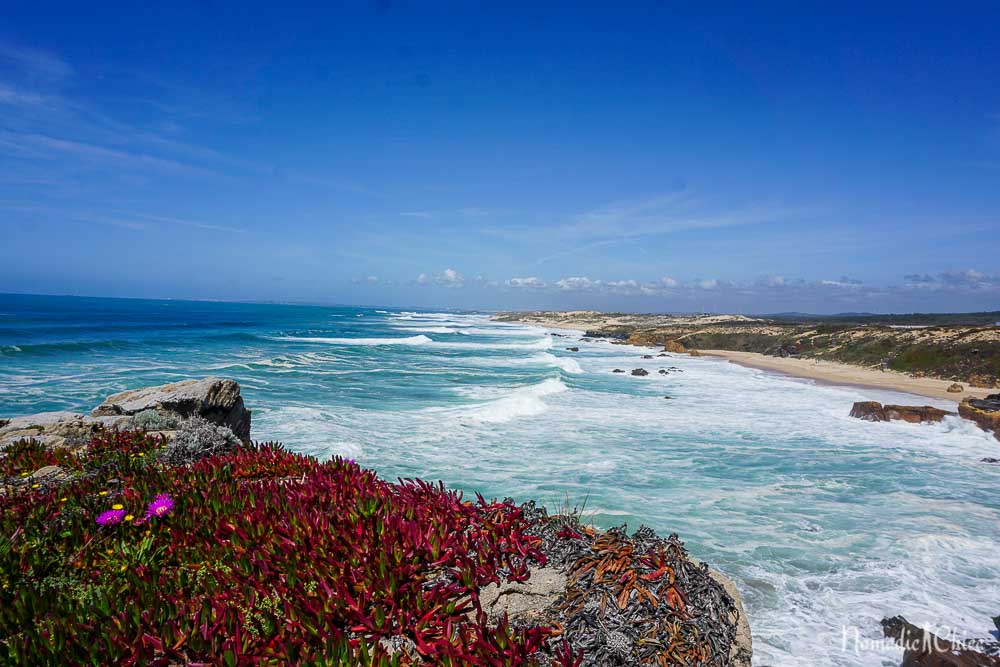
(674,346)
(524,602)
(573,349)
(923,649)
(989,460)
(214,399)
(668,397)
(663,371)
(955,388)
(54,429)
(618,370)
(640,372)
(663,354)
(694,353)
(742,650)
(52,474)
(874,411)
(870,411)
(647,356)
(915,414)
(985,412)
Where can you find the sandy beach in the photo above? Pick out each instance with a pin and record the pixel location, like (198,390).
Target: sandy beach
(837,373)
(832,372)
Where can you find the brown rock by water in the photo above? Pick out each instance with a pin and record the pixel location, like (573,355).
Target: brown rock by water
(674,346)
(870,411)
(955,388)
(923,649)
(985,412)
(874,411)
(640,372)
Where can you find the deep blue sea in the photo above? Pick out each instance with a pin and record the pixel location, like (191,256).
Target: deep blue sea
(826,523)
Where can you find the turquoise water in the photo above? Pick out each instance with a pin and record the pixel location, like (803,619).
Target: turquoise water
(826,523)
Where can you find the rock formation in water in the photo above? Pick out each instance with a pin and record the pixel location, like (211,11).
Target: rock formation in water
(873,411)
(985,412)
(924,649)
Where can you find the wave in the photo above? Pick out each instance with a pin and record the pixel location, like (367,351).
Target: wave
(520,402)
(410,340)
(540,344)
(567,365)
(437,330)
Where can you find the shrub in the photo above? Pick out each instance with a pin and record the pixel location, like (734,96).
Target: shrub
(151,420)
(197,438)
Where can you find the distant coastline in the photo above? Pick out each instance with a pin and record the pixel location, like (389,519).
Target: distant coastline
(738,331)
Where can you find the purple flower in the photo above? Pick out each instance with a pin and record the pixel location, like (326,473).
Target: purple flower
(111,517)
(162,505)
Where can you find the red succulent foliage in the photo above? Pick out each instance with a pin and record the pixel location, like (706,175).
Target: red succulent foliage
(267,558)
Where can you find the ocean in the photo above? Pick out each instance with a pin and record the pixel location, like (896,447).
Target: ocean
(825,522)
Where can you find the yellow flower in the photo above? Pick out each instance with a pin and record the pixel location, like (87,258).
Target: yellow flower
(103,493)
(148,533)
(62,500)
(117,506)
(122,568)
(24,474)
(129,517)
(36,486)
(142,453)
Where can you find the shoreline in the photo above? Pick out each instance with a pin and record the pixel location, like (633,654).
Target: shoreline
(832,372)
(827,372)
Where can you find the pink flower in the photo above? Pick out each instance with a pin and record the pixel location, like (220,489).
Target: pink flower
(161,506)
(111,517)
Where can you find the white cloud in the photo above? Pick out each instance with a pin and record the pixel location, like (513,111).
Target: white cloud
(577,283)
(450,278)
(447,278)
(531,283)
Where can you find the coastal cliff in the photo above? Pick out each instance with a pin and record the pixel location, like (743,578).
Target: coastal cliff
(152,531)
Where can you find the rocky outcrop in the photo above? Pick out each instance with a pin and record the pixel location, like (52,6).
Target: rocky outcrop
(955,388)
(873,411)
(985,412)
(924,649)
(674,346)
(214,399)
(640,372)
(54,429)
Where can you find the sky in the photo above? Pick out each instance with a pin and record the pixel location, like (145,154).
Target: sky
(642,156)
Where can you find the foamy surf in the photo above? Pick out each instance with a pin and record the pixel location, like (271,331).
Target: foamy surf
(410,340)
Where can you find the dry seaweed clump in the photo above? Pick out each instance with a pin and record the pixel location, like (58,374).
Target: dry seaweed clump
(635,600)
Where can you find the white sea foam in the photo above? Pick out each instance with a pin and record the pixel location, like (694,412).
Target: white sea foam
(540,344)
(437,330)
(568,365)
(410,340)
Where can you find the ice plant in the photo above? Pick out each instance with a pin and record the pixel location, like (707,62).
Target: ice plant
(161,506)
(111,517)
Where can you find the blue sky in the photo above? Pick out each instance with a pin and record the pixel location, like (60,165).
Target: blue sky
(652,156)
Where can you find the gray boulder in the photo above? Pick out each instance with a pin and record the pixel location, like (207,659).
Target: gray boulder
(214,399)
